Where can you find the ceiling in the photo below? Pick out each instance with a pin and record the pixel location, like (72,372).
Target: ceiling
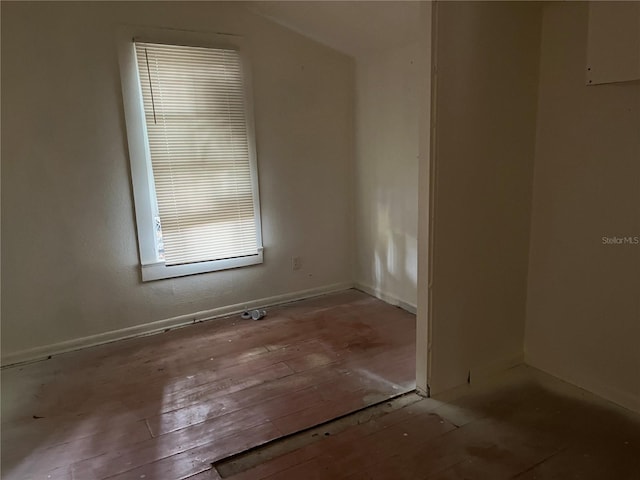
(352,27)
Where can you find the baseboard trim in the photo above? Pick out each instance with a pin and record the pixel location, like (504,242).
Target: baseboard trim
(475,375)
(497,366)
(386,297)
(159,326)
(621,398)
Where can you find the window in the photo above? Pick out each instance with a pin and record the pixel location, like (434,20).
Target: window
(189,123)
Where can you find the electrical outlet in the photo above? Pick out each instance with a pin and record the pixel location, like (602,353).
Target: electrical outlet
(296,263)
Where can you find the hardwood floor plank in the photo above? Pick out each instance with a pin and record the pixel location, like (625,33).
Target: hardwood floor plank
(196,460)
(212,432)
(516,430)
(64,454)
(211,391)
(210,474)
(201,412)
(90,414)
(353,449)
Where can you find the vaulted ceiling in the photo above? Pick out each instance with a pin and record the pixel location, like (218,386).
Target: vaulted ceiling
(352,27)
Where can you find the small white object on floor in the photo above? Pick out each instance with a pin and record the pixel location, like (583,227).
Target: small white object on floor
(254,314)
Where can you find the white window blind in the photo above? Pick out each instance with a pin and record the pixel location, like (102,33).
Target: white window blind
(194,109)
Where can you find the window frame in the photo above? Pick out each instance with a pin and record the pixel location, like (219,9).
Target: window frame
(140,158)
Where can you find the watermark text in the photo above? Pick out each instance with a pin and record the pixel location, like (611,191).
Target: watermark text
(629,240)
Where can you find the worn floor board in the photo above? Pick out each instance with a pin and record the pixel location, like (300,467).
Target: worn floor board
(166,406)
(522,425)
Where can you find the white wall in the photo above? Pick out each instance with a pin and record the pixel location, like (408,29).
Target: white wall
(583,306)
(386,172)
(70,262)
(485,112)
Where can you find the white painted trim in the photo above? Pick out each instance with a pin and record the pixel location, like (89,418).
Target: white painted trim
(144,191)
(497,366)
(40,353)
(386,297)
(426,194)
(160,270)
(625,399)
(480,373)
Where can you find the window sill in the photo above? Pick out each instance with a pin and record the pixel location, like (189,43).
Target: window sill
(159,271)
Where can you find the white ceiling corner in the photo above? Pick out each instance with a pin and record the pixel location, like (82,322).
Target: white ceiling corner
(352,27)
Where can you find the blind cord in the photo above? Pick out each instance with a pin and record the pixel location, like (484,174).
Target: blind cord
(153,104)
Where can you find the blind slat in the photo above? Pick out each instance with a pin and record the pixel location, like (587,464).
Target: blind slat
(196,125)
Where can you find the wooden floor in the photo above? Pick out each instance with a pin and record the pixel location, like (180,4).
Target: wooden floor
(524,425)
(166,406)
